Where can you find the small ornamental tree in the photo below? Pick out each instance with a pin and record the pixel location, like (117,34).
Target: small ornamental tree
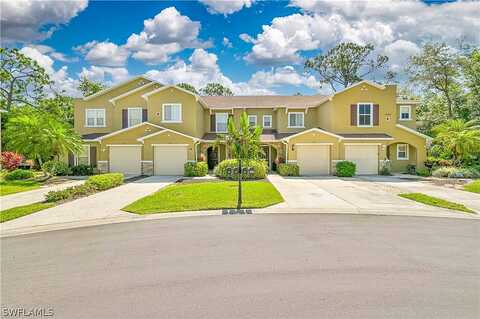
(11,160)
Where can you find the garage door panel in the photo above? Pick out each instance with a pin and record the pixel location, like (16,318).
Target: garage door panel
(313,159)
(169,160)
(364,156)
(126,159)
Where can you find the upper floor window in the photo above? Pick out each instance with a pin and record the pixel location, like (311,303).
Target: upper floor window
(252,120)
(364,114)
(95,117)
(221,120)
(405,113)
(267,121)
(134,116)
(172,113)
(402,151)
(296,119)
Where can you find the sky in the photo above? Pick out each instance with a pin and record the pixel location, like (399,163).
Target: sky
(253,47)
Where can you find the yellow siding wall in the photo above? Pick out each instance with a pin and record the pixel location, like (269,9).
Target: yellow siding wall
(167,138)
(310,120)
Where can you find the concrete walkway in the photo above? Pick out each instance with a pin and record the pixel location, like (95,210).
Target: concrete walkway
(103,205)
(33,196)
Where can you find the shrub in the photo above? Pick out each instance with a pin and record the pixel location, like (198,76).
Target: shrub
(11,160)
(455,172)
(288,169)
(105,181)
(253,169)
(346,169)
(422,171)
(19,174)
(69,193)
(56,168)
(411,169)
(443,171)
(385,170)
(82,170)
(195,169)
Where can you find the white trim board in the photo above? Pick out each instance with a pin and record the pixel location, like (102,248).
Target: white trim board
(311,130)
(413,131)
(165,130)
(116,86)
(179,145)
(349,144)
(113,100)
(197,97)
(300,144)
(125,145)
(127,129)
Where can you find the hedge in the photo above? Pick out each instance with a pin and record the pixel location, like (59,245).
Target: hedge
(288,169)
(195,169)
(56,168)
(19,174)
(346,169)
(252,169)
(105,181)
(456,172)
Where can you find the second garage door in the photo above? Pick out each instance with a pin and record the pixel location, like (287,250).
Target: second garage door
(365,156)
(169,159)
(126,159)
(313,159)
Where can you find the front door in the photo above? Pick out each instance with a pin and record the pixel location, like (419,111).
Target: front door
(212,157)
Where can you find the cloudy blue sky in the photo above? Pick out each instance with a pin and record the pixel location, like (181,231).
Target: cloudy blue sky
(254,47)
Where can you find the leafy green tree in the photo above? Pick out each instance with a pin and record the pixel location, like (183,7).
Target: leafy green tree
(436,69)
(59,106)
(88,87)
(471,71)
(22,80)
(39,135)
(243,143)
(216,89)
(187,87)
(346,64)
(461,138)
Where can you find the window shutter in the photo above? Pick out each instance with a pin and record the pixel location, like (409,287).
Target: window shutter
(212,123)
(376,116)
(93,155)
(353,114)
(144,115)
(71,159)
(124,118)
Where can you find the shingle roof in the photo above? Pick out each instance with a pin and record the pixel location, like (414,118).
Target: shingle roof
(264,101)
(268,135)
(92,136)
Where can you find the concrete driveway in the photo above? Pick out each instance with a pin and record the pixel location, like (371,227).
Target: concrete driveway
(377,195)
(103,205)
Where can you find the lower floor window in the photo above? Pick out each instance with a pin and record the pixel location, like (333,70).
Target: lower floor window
(402,151)
(83,158)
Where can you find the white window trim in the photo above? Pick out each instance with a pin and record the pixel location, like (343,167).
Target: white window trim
(406,152)
(216,123)
(288,119)
(409,113)
(75,158)
(271,119)
(252,116)
(371,114)
(95,125)
(128,115)
(163,113)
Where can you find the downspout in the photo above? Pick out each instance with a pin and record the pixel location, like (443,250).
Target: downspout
(286,151)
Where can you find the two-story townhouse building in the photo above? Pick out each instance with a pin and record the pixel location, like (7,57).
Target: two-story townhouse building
(143,127)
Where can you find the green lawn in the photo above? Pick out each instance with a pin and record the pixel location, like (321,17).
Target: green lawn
(438,202)
(12,187)
(473,187)
(205,196)
(20,211)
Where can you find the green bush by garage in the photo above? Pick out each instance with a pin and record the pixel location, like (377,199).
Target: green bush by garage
(19,174)
(252,169)
(346,169)
(196,169)
(288,169)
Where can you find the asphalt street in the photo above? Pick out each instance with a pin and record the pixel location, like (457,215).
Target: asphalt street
(250,266)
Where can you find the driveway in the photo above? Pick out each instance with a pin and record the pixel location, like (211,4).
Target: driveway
(33,196)
(250,266)
(103,205)
(377,195)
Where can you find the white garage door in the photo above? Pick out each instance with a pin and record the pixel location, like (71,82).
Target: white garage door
(169,159)
(126,159)
(365,156)
(313,159)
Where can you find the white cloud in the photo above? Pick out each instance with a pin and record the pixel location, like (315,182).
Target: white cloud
(226,42)
(282,76)
(104,53)
(58,56)
(26,20)
(108,75)
(226,7)
(246,38)
(167,33)
(399,53)
(326,23)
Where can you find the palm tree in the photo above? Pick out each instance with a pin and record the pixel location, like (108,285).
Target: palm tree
(39,135)
(244,145)
(460,137)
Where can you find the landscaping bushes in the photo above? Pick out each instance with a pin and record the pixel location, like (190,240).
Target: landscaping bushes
(56,168)
(195,169)
(288,169)
(11,160)
(19,174)
(424,172)
(346,169)
(92,185)
(82,170)
(253,169)
(456,172)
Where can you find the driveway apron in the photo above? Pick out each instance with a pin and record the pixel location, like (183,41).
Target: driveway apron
(101,205)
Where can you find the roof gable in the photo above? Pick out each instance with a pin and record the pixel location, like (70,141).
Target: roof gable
(117,86)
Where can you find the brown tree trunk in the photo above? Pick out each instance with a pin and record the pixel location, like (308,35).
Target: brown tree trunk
(239,201)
